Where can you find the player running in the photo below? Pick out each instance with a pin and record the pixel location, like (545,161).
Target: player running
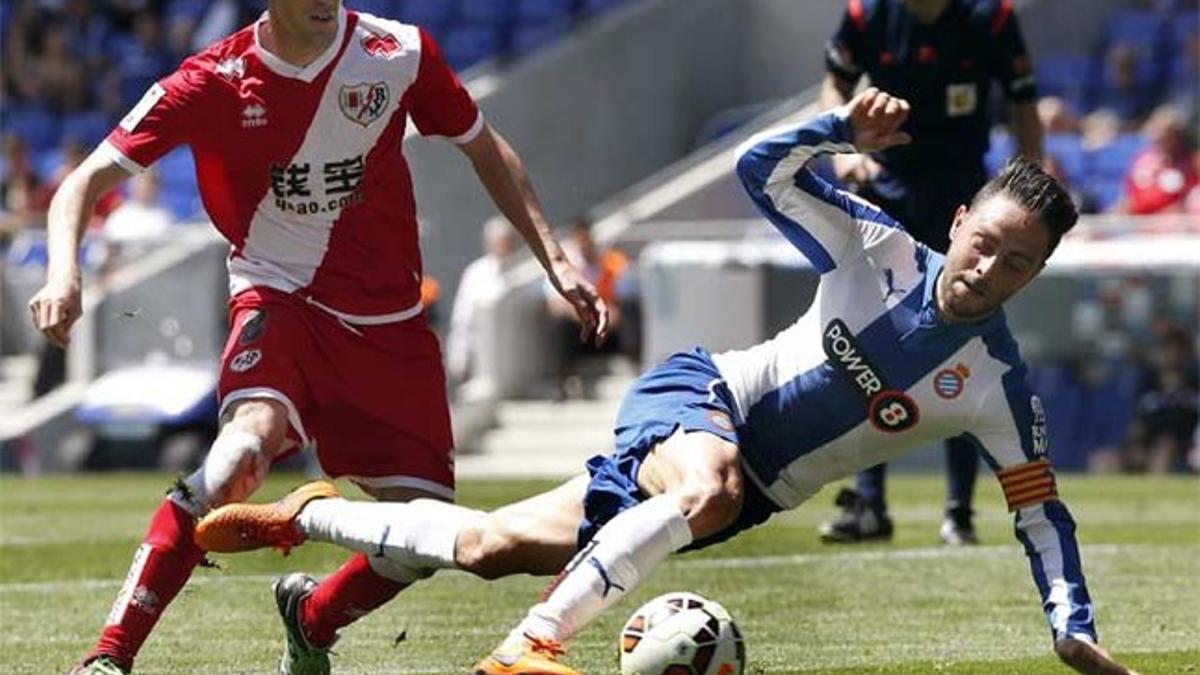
(297,124)
(902,347)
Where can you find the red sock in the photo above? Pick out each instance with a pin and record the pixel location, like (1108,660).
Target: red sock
(161,566)
(343,597)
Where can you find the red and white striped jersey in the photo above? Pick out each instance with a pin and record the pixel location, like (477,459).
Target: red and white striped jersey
(302,169)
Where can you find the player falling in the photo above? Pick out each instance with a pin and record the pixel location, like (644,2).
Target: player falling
(901,347)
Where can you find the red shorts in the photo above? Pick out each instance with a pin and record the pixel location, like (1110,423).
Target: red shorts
(371,400)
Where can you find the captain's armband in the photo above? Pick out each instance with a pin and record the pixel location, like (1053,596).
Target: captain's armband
(1028,484)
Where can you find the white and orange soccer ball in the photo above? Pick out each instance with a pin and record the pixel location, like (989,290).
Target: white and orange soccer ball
(681,634)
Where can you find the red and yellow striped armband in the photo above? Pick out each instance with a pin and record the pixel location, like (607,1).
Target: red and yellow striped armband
(1028,484)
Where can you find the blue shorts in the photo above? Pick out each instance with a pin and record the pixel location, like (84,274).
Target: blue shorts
(685,391)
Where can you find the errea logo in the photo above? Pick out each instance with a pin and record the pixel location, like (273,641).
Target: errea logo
(253,116)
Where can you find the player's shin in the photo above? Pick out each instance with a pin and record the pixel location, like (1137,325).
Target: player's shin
(621,555)
(414,538)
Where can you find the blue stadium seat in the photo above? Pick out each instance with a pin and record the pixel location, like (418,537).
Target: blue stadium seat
(177,170)
(46,161)
(593,7)
(433,15)
(1001,148)
(468,44)
(530,36)
(1068,150)
(183,204)
(1113,160)
(388,9)
(1066,77)
(1141,28)
(88,128)
(496,13)
(539,11)
(36,125)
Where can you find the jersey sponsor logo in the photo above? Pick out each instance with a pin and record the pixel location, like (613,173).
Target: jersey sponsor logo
(134,117)
(293,185)
(1037,431)
(382,46)
(948,383)
(232,68)
(364,103)
(961,99)
(245,360)
(254,116)
(889,410)
(253,327)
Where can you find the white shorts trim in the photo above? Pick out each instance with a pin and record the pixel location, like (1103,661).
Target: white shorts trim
(404,481)
(110,151)
(368,319)
(273,394)
(470,134)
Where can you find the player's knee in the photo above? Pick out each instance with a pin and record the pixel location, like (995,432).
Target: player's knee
(262,417)
(482,548)
(233,469)
(712,502)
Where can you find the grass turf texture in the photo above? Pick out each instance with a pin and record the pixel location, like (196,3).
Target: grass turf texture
(908,607)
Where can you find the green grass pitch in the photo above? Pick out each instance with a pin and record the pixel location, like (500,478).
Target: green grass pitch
(908,607)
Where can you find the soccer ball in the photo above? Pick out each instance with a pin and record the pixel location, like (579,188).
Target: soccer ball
(681,634)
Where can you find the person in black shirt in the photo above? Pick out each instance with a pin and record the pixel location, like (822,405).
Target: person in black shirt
(942,56)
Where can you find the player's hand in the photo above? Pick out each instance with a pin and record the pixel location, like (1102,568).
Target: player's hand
(1086,657)
(55,308)
(876,117)
(590,309)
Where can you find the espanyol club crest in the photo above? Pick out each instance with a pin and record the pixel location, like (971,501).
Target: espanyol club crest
(364,103)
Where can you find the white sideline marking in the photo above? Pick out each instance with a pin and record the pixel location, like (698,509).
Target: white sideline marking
(701,563)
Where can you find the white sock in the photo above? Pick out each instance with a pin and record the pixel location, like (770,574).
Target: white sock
(233,468)
(418,536)
(623,553)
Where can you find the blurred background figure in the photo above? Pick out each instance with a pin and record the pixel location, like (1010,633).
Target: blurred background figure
(482,285)
(609,271)
(1165,423)
(142,219)
(1164,173)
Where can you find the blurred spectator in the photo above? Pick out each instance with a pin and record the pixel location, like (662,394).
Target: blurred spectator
(143,59)
(608,270)
(142,219)
(1184,86)
(19,208)
(1126,90)
(61,83)
(1167,411)
(481,286)
(1056,116)
(1084,203)
(72,153)
(1164,173)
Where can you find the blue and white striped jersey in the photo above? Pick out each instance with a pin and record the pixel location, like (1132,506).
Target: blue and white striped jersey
(870,372)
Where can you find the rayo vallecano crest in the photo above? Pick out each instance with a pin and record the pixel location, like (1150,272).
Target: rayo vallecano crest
(364,103)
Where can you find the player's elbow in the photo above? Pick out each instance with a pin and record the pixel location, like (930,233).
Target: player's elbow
(749,168)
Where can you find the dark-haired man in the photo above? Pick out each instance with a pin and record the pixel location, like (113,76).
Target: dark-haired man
(902,347)
(942,56)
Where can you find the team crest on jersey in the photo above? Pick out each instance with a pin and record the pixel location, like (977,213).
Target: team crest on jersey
(382,46)
(364,103)
(245,360)
(948,383)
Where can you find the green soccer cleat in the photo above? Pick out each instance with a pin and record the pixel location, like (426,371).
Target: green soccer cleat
(101,665)
(299,657)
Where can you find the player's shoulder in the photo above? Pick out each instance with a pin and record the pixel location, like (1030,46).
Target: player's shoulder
(386,38)
(220,61)
(989,15)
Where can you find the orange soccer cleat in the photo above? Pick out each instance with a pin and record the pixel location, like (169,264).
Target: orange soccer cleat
(529,656)
(247,527)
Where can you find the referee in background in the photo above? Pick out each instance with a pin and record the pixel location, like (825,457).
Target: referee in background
(941,55)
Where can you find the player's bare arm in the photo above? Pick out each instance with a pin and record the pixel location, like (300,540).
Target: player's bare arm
(58,305)
(1027,129)
(503,173)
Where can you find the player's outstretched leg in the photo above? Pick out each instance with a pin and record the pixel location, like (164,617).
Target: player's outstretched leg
(234,467)
(695,481)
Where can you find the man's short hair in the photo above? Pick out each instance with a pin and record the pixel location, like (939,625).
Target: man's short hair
(1039,193)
